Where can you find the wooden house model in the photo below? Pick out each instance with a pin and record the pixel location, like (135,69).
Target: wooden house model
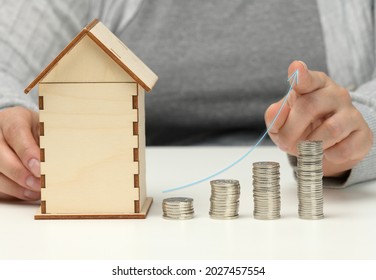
(92,129)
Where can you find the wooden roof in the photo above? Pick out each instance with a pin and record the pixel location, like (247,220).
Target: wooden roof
(110,44)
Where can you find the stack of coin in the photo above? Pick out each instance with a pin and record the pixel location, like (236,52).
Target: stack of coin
(266,190)
(309,173)
(178,208)
(224,199)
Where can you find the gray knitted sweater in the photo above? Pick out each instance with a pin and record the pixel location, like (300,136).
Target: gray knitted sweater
(240,46)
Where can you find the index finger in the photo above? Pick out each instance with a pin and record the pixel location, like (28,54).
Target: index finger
(308,81)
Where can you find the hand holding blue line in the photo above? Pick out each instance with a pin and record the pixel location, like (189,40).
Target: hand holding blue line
(293,79)
(320,109)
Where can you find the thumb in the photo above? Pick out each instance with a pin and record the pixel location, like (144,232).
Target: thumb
(308,81)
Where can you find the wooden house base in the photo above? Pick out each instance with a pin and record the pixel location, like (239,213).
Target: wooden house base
(142,215)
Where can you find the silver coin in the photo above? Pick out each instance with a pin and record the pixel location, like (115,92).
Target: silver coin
(178,200)
(221,217)
(224,183)
(224,199)
(178,208)
(178,218)
(309,177)
(266,190)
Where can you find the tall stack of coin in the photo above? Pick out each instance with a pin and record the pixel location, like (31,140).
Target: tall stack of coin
(224,199)
(266,190)
(178,208)
(309,173)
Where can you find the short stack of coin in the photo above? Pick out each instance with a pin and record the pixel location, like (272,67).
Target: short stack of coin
(178,208)
(266,190)
(224,199)
(310,186)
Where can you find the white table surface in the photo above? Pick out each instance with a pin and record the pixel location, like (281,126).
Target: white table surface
(347,232)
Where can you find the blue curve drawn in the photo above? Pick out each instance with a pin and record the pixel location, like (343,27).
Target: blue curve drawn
(292,79)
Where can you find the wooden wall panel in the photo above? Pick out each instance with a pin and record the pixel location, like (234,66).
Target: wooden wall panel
(89,148)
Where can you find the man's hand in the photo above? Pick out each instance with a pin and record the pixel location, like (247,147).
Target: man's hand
(319,109)
(19,154)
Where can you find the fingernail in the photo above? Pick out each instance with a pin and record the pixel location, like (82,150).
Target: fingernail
(305,65)
(31,195)
(32,182)
(34,167)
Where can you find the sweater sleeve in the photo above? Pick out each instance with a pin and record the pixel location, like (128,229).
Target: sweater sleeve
(28,43)
(32,33)
(11,93)
(364,99)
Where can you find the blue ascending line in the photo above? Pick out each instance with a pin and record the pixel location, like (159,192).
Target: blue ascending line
(292,79)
